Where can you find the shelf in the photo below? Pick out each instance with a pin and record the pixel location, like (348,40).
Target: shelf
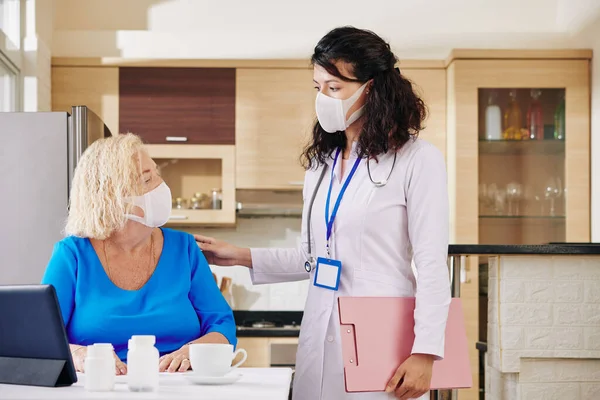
(191,168)
(525,147)
(525,217)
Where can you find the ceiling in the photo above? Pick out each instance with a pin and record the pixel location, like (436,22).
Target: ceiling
(290,29)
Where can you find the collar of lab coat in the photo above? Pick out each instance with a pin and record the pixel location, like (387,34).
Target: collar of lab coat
(338,165)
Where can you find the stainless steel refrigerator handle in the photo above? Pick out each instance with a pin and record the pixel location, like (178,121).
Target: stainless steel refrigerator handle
(77,138)
(176,139)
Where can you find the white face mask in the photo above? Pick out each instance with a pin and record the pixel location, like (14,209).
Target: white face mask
(332,112)
(156,205)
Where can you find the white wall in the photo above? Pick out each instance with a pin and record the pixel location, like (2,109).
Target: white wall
(596,139)
(37,59)
(591,38)
(261,232)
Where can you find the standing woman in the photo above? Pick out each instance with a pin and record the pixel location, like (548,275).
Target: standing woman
(375,199)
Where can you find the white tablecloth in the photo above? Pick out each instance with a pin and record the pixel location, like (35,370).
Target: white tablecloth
(256,383)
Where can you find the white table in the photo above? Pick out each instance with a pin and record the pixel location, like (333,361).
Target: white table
(256,383)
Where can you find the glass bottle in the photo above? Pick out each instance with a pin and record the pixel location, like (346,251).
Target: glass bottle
(180,203)
(512,118)
(535,120)
(559,119)
(493,118)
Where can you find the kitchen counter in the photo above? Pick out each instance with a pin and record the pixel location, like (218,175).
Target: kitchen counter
(256,383)
(542,249)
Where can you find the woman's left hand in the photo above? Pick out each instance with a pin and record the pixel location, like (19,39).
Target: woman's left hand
(177,361)
(413,378)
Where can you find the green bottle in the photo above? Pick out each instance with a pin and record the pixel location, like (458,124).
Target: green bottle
(559,119)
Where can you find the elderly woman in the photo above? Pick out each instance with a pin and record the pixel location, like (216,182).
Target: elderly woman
(118,274)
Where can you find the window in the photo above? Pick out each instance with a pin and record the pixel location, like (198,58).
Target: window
(10,54)
(8,88)
(10,25)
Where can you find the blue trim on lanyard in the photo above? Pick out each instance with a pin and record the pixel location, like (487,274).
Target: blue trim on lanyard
(328,221)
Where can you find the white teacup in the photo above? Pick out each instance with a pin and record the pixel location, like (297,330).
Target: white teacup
(214,359)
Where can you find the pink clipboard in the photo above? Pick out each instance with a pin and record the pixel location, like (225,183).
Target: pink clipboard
(378,334)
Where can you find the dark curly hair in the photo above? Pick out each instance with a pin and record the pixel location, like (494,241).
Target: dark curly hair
(393,112)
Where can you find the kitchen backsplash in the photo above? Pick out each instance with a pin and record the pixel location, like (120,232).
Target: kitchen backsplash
(260,232)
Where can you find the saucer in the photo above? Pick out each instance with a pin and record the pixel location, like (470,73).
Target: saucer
(213,380)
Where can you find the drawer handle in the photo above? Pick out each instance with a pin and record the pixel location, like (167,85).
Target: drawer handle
(180,217)
(177,139)
(296,183)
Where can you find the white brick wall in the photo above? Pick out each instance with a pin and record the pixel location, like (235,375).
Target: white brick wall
(543,328)
(542,307)
(559,379)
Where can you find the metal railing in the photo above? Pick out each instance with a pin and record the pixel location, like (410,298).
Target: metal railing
(454,264)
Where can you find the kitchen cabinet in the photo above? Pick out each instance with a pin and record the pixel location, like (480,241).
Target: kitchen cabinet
(430,84)
(259,349)
(274,117)
(94,87)
(518,156)
(178,105)
(275,113)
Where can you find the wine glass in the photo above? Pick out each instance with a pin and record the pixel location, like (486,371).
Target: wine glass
(491,195)
(552,191)
(514,192)
(499,200)
(482,198)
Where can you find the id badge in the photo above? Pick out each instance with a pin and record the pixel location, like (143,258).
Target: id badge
(327,274)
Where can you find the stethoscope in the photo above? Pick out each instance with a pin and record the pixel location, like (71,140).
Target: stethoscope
(310,264)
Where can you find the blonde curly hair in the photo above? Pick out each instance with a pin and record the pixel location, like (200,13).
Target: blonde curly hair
(106,175)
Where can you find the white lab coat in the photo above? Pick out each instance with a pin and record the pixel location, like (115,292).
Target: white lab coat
(376,234)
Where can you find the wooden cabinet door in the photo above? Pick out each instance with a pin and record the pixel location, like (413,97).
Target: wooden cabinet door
(274,115)
(478,160)
(431,86)
(178,105)
(94,87)
(257,349)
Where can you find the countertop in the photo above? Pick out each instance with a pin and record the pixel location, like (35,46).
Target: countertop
(542,249)
(256,383)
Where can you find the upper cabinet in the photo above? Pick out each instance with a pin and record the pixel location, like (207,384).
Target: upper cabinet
(513,125)
(178,105)
(95,87)
(519,148)
(275,113)
(429,81)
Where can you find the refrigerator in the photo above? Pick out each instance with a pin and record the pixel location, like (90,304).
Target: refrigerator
(38,155)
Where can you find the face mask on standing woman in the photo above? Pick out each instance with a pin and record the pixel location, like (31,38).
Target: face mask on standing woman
(332,112)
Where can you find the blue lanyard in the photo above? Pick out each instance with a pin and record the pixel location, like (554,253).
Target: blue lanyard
(329,221)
